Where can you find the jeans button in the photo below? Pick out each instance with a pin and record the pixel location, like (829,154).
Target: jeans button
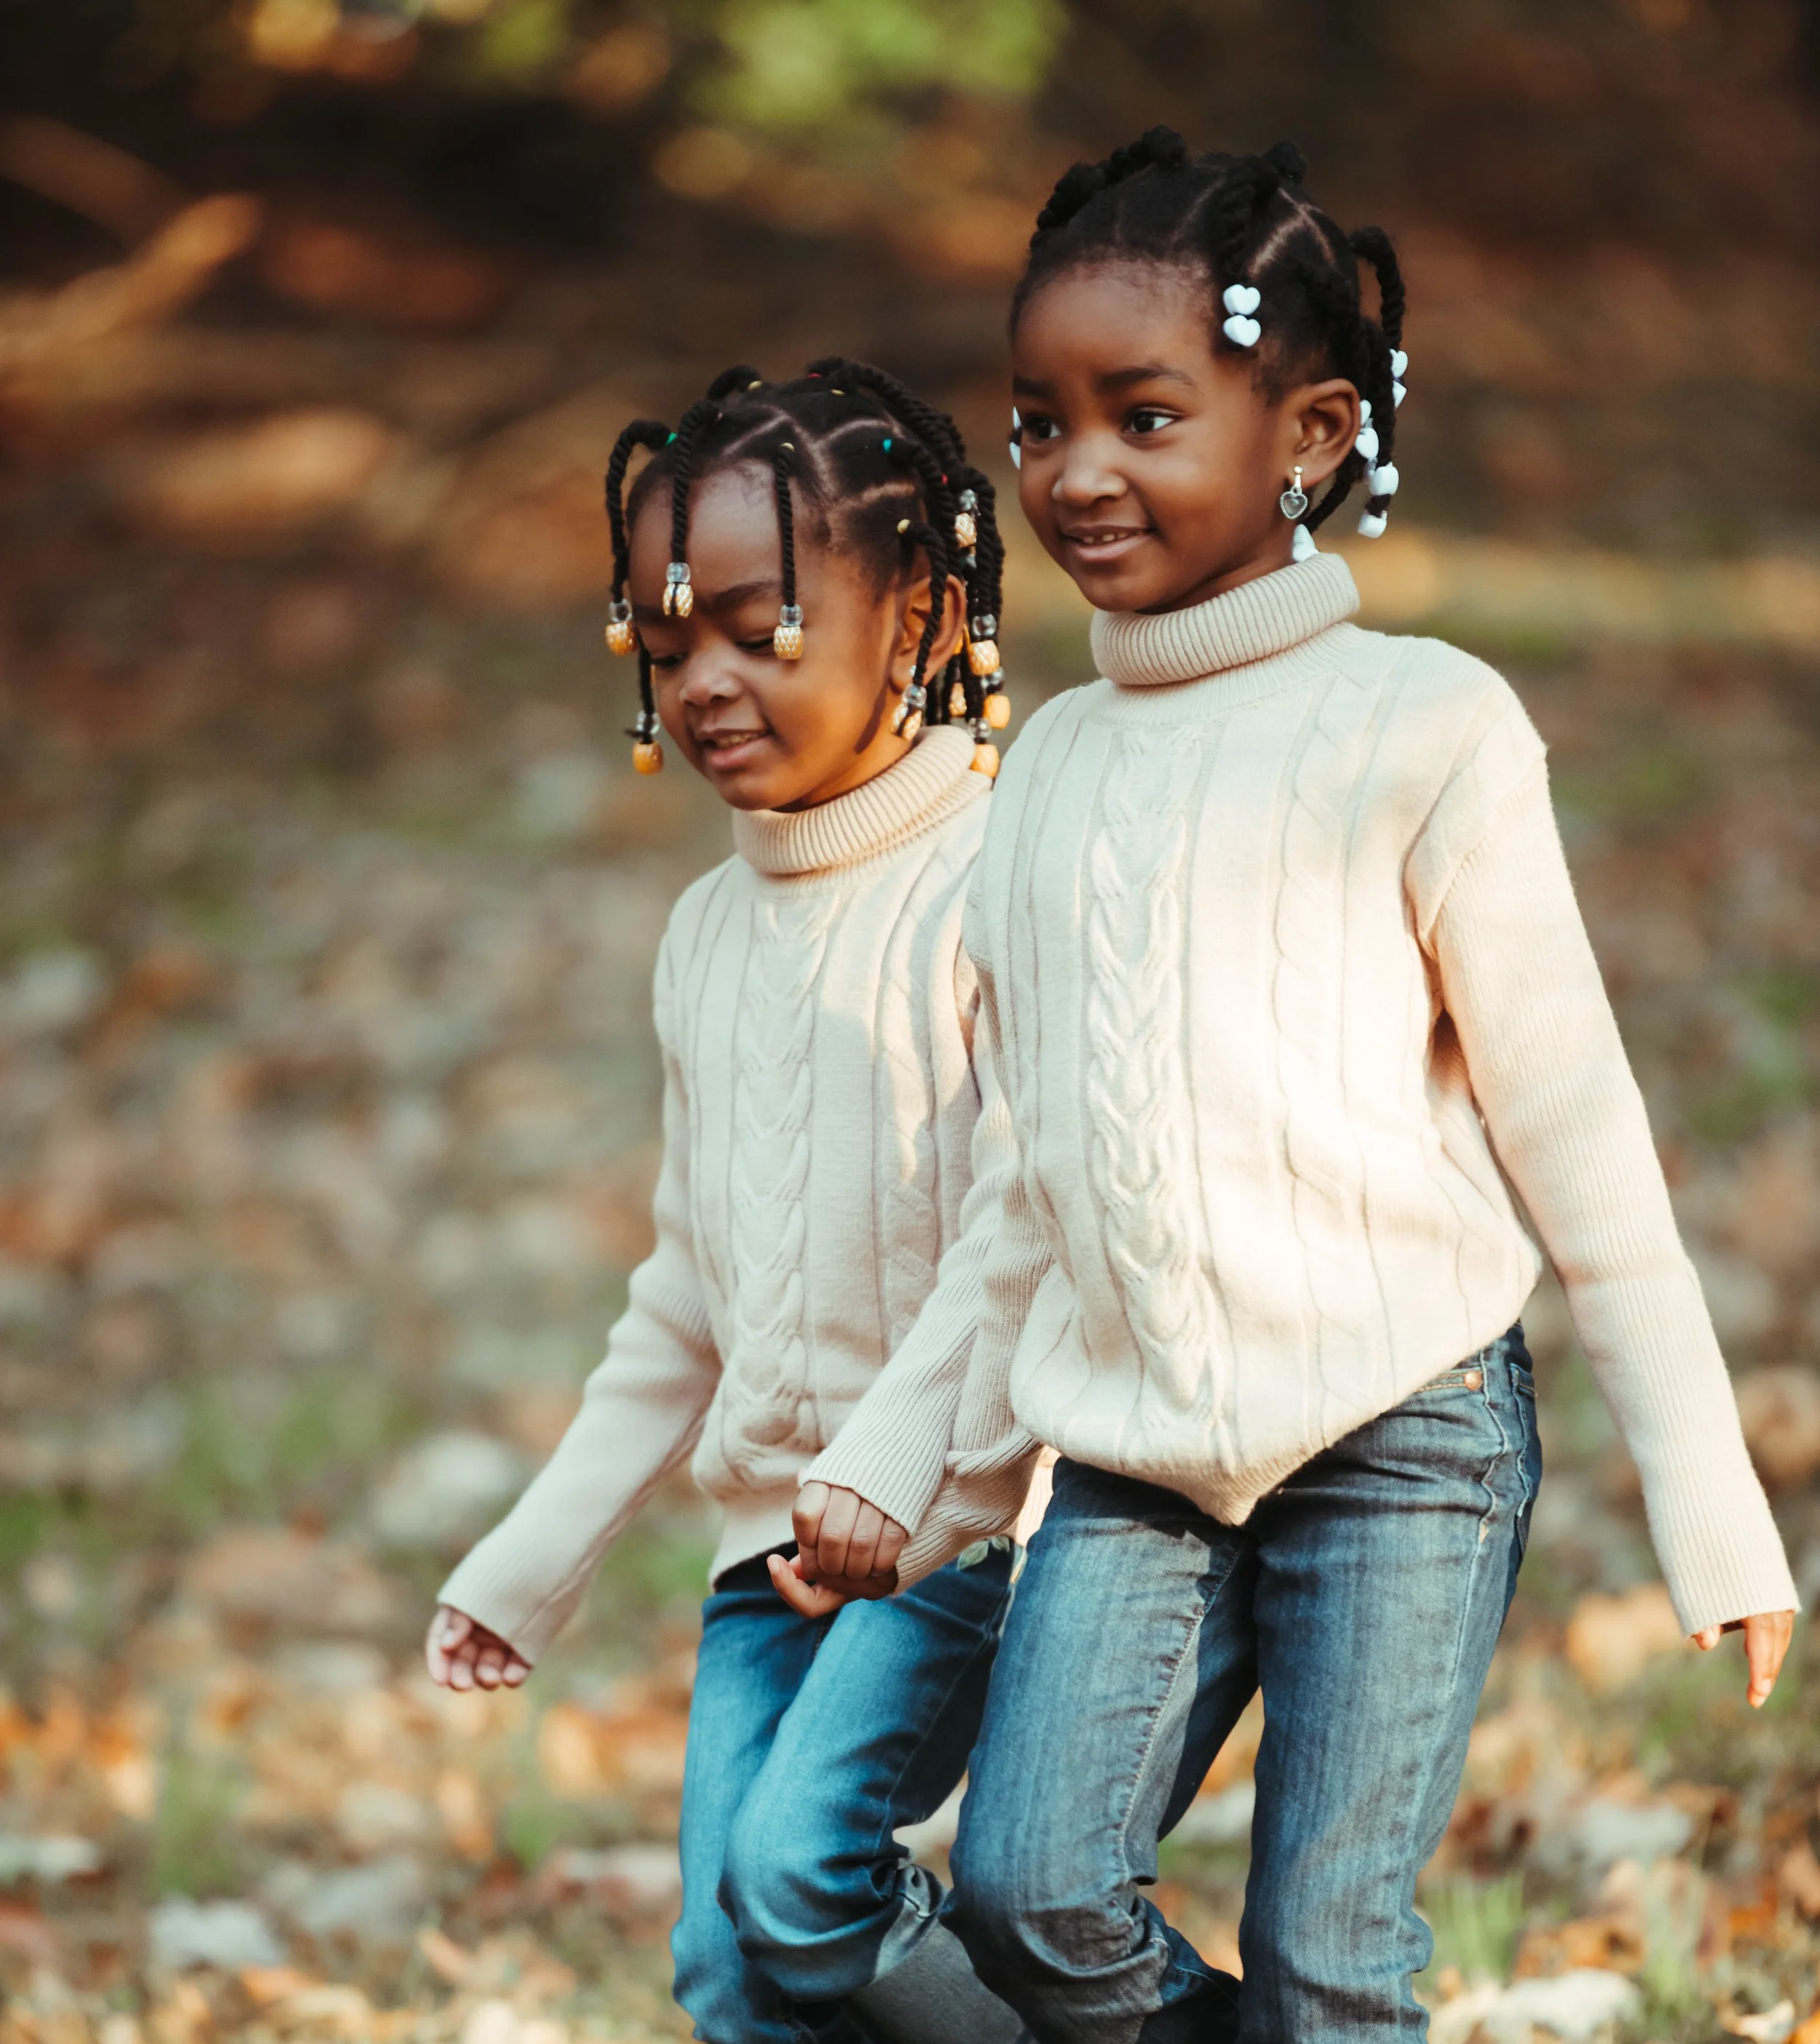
(1474,1379)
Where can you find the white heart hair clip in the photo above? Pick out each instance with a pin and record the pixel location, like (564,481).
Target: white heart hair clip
(1241,302)
(1016,439)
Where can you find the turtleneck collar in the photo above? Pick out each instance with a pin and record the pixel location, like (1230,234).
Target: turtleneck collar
(934,780)
(1139,649)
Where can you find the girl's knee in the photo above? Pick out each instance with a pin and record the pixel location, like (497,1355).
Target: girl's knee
(781,1884)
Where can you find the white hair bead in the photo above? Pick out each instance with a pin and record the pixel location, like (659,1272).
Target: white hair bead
(1367,443)
(1399,363)
(1016,439)
(1301,546)
(1398,393)
(1241,299)
(1364,411)
(1241,331)
(1372,524)
(1382,482)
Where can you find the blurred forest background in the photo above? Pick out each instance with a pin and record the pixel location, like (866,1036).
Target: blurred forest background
(327,1095)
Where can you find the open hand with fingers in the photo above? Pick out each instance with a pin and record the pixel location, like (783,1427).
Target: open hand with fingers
(463,1655)
(846,1549)
(1767,1634)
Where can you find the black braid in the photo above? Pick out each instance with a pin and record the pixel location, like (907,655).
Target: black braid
(698,415)
(1372,245)
(934,543)
(1234,216)
(742,376)
(651,433)
(786,519)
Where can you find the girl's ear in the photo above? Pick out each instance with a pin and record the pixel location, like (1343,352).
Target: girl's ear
(1321,422)
(913,616)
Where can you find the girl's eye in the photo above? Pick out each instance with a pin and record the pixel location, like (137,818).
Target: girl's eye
(1040,428)
(1148,419)
(764,645)
(664,662)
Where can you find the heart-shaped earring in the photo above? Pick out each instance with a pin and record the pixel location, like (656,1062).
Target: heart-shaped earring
(1241,299)
(1241,331)
(1294,501)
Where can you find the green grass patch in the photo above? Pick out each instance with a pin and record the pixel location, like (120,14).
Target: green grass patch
(195,1838)
(1476,1924)
(1653,784)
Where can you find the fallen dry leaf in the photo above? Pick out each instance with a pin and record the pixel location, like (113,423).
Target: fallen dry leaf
(1611,1640)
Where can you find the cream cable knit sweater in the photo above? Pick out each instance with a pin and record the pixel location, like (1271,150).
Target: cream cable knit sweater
(1309,1060)
(816,1012)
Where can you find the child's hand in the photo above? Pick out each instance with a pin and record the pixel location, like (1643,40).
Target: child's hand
(463,1655)
(808,1600)
(1766,1637)
(843,1543)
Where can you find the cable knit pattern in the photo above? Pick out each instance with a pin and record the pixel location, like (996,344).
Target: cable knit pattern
(821,1120)
(1313,1064)
(767,1410)
(1141,1149)
(1326,1197)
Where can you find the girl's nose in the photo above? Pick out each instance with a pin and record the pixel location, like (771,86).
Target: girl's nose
(1087,474)
(706,680)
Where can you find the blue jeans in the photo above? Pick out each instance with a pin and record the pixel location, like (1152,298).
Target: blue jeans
(1365,1596)
(809,1743)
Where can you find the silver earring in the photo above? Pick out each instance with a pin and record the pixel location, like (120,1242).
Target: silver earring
(1294,501)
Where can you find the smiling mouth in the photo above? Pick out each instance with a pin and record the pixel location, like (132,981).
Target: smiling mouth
(1104,539)
(716,743)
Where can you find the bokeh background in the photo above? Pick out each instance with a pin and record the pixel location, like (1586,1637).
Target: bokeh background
(327,1094)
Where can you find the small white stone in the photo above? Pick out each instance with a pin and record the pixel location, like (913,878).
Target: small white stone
(1243,332)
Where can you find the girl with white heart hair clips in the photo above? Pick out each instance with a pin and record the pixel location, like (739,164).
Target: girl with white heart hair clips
(1310,1071)
(1286,287)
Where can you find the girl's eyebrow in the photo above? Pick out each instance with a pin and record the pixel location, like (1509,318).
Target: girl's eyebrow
(1142,372)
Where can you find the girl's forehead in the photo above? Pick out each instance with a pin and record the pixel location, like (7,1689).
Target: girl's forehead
(733,503)
(1114,315)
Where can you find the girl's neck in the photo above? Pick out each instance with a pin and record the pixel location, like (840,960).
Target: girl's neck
(879,757)
(1274,554)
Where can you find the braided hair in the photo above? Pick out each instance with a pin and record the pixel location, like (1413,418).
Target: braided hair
(1247,221)
(876,470)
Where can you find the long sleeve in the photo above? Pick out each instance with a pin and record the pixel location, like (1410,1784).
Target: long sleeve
(1567,1120)
(640,1413)
(935,1436)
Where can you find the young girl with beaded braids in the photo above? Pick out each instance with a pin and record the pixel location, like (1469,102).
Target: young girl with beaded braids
(1310,1063)
(809,576)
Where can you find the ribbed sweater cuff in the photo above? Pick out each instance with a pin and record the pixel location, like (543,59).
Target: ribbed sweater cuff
(894,1464)
(500,1586)
(1722,1554)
